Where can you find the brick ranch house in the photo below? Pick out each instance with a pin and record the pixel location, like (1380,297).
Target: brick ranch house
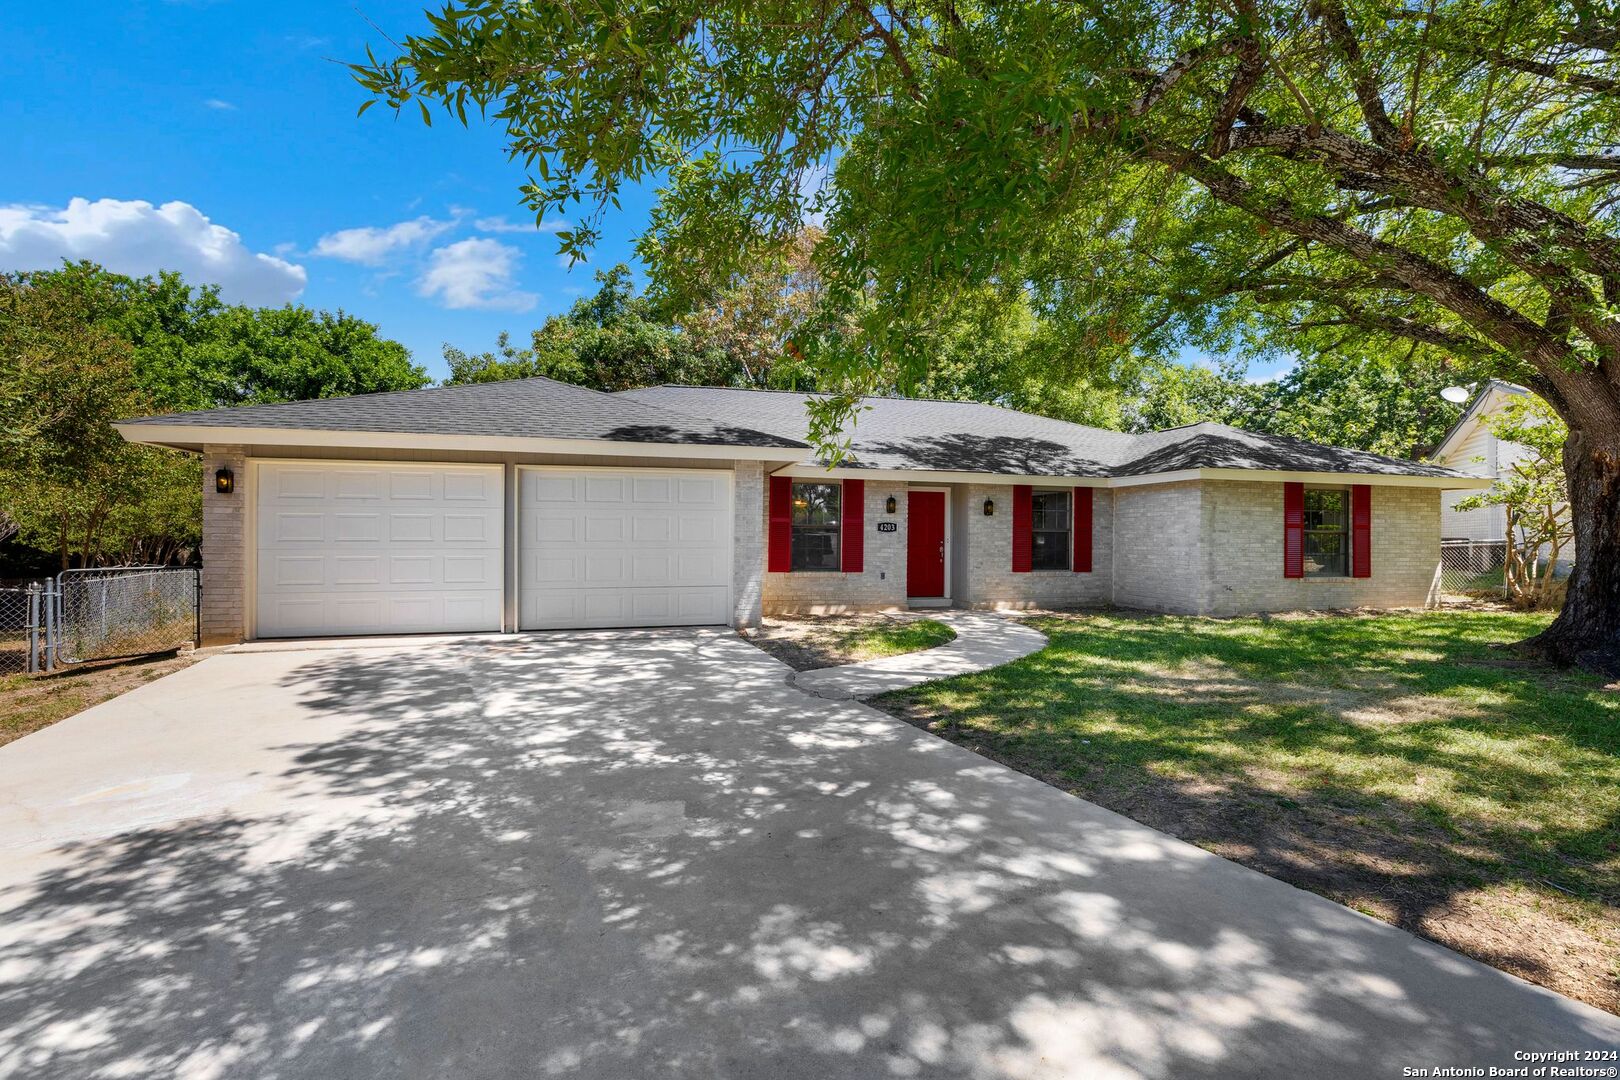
(535,504)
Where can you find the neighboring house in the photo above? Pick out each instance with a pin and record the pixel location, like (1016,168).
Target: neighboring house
(1470,447)
(534,504)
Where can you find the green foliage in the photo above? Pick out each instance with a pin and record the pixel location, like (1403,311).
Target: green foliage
(1534,492)
(613,340)
(1243,178)
(68,481)
(1388,405)
(83,347)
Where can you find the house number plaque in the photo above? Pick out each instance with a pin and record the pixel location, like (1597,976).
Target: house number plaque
(887,526)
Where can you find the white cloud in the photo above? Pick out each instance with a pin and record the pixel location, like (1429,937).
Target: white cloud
(134,237)
(371,244)
(475,274)
(501,225)
(220,104)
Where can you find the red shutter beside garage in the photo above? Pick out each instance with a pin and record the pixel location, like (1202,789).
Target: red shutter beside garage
(1082,530)
(1294,530)
(779,542)
(852,531)
(1361,530)
(1023,529)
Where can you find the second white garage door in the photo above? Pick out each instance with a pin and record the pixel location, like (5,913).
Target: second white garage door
(624,547)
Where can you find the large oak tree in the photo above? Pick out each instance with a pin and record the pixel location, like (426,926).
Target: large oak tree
(1436,174)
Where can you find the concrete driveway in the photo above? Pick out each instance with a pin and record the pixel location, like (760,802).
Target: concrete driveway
(639,855)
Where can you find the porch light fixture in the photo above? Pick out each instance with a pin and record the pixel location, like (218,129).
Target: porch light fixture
(890,506)
(224,481)
(989,508)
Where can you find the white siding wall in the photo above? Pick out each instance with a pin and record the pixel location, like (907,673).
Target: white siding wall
(1481,455)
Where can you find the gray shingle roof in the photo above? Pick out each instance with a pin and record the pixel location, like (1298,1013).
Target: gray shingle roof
(955,436)
(536,408)
(889,433)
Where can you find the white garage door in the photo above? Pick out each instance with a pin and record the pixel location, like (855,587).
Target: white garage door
(369,549)
(624,547)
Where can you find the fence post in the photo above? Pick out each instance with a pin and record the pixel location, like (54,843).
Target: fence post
(52,594)
(33,628)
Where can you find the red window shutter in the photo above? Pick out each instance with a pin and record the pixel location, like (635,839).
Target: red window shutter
(1082,530)
(780,541)
(1361,530)
(1294,530)
(1023,529)
(852,530)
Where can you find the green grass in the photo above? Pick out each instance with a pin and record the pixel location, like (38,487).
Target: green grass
(891,639)
(1396,760)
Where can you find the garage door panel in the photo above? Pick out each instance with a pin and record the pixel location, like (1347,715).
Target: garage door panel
(297,570)
(356,528)
(290,528)
(410,486)
(346,549)
(605,489)
(702,492)
(623,548)
(353,485)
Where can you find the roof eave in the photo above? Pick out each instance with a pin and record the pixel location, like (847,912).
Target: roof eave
(193,437)
(812,470)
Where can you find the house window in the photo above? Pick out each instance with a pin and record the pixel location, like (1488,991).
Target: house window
(1050,522)
(815,526)
(1327,532)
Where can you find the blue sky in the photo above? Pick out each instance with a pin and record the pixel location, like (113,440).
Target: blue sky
(237,112)
(220,138)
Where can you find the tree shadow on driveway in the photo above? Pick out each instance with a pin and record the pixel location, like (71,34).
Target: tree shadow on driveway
(643,854)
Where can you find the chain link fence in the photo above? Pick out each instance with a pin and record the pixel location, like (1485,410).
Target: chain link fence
(97,614)
(19,612)
(1472,567)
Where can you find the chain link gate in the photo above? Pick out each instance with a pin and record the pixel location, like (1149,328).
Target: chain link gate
(1471,567)
(101,613)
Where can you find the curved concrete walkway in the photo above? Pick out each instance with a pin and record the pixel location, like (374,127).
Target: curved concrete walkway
(982,641)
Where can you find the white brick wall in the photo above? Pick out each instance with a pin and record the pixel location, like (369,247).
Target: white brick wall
(1245,571)
(881,583)
(748,543)
(1158,553)
(224,570)
(987,579)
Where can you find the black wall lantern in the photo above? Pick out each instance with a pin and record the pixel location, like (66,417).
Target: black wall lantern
(890,505)
(989,508)
(224,481)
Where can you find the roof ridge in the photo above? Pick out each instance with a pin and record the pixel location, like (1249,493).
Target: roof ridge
(369,395)
(884,397)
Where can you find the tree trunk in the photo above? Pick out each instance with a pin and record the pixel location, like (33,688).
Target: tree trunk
(1587,631)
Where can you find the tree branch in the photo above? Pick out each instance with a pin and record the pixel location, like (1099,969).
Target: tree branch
(1251,65)
(1337,25)
(1179,69)
(1508,327)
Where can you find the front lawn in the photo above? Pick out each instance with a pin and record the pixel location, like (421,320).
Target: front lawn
(817,641)
(1395,763)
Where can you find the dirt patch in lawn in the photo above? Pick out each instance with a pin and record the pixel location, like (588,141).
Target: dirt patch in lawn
(1387,763)
(31,702)
(807,642)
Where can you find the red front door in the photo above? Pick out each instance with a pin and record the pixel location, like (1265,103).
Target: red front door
(925,543)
